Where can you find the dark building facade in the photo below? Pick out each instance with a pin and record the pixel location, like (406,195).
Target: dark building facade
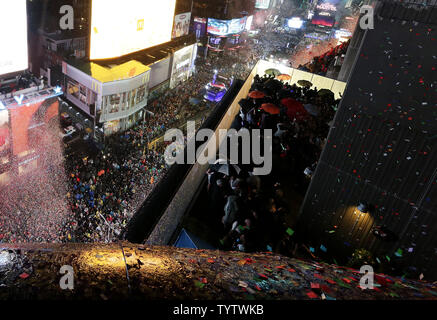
(382,150)
(45,14)
(223,9)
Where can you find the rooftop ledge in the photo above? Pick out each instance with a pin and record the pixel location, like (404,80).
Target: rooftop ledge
(32,271)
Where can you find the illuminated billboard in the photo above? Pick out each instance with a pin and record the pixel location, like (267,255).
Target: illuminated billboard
(13,35)
(181,24)
(182,65)
(199,27)
(323,18)
(262,4)
(119,28)
(225,27)
(327,6)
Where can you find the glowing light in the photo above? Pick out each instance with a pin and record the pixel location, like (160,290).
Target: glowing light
(57,89)
(362,207)
(113,258)
(295,23)
(310,15)
(118,28)
(19,99)
(342,34)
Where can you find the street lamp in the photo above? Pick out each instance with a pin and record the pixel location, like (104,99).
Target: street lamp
(362,208)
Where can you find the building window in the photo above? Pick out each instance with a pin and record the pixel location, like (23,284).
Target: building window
(114,101)
(73,88)
(82,94)
(128,98)
(123,101)
(132,102)
(141,95)
(61,47)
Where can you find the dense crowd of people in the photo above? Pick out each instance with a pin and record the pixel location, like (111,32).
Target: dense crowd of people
(251,210)
(33,205)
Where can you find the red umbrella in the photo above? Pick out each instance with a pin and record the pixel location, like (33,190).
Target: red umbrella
(295,109)
(270,108)
(101,172)
(284,77)
(256,95)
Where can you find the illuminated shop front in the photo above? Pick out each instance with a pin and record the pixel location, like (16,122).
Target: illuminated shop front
(114,95)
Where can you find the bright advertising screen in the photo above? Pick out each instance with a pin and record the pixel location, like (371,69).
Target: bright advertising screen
(182,63)
(181,25)
(199,27)
(13,35)
(262,4)
(225,27)
(323,18)
(119,28)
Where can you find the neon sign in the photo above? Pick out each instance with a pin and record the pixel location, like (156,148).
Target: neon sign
(327,6)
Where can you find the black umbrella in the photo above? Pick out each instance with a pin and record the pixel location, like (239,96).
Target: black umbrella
(245,104)
(304,83)
(273,84)
(325,92)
